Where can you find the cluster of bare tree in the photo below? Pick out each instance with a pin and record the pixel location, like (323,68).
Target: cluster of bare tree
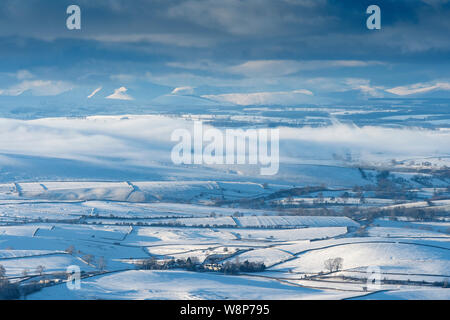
(89,258)
(193,264)
(8,290)
(334,264)
(246,266)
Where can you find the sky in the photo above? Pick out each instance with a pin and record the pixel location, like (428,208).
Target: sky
(253,52)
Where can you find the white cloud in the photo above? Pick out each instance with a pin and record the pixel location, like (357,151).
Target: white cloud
(38,88)
(262,98)
(120,94)
(270,68)
(303,91)
(123,77)
(179,40)
(261,68)
(24,74)
(207,65)
(258,17)
(275,68)
(354,63)
(370,91)
(91,138)
(94,92)
(365,87)
(419,88)
(367,141)
(183,90)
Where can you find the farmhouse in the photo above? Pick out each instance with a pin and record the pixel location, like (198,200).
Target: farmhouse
(213,267)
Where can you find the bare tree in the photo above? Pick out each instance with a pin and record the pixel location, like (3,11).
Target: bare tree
(88,258)
(329,266)
(101,264)
(2,272)
(70,250)
(335,264)
(40,270)
(338,264)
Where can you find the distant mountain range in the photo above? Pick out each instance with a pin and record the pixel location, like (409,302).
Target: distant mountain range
(115,98)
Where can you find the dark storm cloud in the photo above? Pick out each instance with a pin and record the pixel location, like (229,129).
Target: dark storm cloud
(251,28)
(207,43)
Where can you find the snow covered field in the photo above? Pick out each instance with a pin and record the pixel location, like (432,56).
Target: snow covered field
(182,285)
(139,227)
(210,149)
(294,250)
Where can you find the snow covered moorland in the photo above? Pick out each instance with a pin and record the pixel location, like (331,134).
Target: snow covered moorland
(210,149)
(101,193)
